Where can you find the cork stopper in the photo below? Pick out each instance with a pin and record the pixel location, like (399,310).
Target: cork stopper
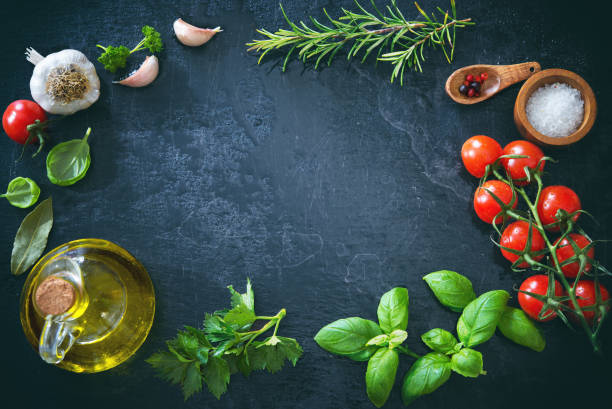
(54,296)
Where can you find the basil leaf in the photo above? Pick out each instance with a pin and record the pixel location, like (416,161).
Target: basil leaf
(31,238)
(397,337)
(393,310)
(426,375)
(380,375)
(348,337)
(439,340)
(452,289)
(467,362)
(22,192)
(479,319)
(517,327)
(68,162)
(379,340)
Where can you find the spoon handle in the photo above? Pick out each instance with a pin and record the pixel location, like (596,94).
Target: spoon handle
(511,74)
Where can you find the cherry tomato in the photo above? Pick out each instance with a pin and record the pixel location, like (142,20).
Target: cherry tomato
(478,152)
(485,205)
(554,198)
(515,237)
(537,284)
(18,115)
(586,297)
(516,167)
(565,251)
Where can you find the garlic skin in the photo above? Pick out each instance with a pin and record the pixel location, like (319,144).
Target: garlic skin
(193,36)
(144,75)
(47,67)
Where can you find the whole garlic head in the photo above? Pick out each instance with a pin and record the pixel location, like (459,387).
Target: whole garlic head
(64,82)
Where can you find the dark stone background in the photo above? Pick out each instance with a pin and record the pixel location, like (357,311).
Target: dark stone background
(326,188)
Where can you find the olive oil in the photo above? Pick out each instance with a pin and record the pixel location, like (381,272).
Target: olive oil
(113,311)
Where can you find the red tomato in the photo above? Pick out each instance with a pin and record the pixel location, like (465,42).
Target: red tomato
(537,284)
(565,251)
(485,205)
(515,237)
(18,115)
(478,152)
(554,198)
(586,297)
(516,167)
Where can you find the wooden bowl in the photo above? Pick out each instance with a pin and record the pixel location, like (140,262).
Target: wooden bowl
(549,77)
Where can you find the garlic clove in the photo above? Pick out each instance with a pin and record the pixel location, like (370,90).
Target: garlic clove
(191,35)
(144,75)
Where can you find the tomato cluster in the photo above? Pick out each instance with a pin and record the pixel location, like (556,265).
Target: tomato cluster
(522,242)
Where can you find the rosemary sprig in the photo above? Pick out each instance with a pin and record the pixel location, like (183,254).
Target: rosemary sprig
(403,39)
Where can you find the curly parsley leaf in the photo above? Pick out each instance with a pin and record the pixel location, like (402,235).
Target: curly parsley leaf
(114,58)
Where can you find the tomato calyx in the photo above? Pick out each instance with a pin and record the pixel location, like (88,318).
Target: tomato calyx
(36,130)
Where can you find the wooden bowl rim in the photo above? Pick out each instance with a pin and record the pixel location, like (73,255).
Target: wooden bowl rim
(587,96)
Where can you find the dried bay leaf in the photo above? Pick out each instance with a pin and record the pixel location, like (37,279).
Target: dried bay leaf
(31,238)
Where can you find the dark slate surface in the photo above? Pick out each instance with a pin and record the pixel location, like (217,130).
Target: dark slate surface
(326,188)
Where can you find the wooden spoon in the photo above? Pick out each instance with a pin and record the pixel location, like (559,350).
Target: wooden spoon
(500,77)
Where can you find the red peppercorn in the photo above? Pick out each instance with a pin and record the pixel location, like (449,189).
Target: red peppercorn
(476,94)
(471,92)
(484,76)
(466,83)
(469,78)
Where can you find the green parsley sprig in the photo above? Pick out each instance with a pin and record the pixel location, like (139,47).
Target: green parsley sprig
(224,346)
(116,57)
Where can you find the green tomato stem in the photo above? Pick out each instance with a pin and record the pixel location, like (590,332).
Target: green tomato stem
(558,272)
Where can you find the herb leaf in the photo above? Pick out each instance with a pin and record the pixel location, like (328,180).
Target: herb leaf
(479,319)
(68,162)
(426,375)
(242,314)
(439,340)
(22,192)
(380,375)
(393,310)
(217,376)
(467,362)
(516,326)
(452,289)
(31,238)
(272,353)
(348,337)
(170,368)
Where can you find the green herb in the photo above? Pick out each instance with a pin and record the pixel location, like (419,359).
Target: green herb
(402,39)
(479,319)
(114,58)
(426,375)
(22,192)
(31,238)
(451,289)
(516,326)
(380,375)
(364,340)
(224,346)
(440,340)
(68,162)
(467,362)
(349,337)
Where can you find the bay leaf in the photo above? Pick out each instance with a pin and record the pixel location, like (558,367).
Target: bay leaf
(31,238)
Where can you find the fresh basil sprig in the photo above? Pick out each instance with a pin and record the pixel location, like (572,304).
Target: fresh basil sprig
(68,162)
(22,192)
(364,340)
(452,289)
(224,346)
(426,375)
(440,340)
(479,319)
(31,238)
(517,327)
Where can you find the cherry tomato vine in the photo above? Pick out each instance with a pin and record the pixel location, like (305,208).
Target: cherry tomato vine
(523,237)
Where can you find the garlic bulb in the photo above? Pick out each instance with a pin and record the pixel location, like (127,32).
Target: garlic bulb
(64,82)
(191,35)
(144,75)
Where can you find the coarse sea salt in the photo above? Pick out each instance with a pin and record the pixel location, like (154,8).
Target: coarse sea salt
(555,110)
